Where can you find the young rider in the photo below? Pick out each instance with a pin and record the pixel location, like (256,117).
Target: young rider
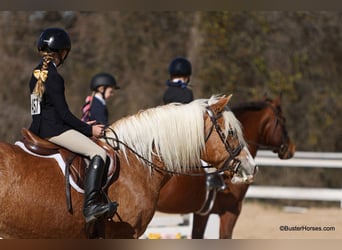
(178,91)
(52,120)
(180,71)
(103,86)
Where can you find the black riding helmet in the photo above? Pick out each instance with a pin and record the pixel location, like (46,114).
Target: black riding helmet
(54,40)
(103,79)
(180,66)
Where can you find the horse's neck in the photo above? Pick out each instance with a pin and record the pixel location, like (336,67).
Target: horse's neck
(251,122)
(153,174)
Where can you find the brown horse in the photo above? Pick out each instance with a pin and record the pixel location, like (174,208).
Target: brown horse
(264,126)
(150,145)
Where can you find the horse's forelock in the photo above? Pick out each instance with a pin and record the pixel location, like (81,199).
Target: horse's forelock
(234,123)
(213,99)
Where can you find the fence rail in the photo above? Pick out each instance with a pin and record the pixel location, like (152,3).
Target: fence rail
(175,225)
(301,159)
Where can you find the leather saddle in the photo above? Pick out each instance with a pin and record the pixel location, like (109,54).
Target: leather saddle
(75,164)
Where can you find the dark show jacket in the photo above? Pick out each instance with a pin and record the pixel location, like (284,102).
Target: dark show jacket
(55,116)
(99,111)
(177,93)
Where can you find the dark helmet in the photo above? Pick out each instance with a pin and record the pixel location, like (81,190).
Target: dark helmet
(103,79)
(180,66)
(54,40)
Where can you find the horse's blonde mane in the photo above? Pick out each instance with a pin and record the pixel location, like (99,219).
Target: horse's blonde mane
(173,132)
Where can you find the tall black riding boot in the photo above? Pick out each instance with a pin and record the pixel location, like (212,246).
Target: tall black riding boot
(94,206)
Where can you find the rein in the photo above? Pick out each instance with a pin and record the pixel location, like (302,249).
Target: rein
(148,163)
(225,166)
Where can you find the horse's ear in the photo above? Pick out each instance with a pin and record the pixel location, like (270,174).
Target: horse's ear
(220,105)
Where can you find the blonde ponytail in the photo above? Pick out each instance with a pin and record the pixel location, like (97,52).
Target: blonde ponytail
(42,74)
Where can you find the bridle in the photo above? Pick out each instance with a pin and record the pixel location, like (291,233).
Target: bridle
(233,152)
(279,121)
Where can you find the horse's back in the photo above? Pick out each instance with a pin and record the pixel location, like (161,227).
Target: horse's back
(7,148)
(32,197)
(8,153)
(12,156)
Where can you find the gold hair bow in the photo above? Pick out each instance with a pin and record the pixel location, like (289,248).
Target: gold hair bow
(40,74)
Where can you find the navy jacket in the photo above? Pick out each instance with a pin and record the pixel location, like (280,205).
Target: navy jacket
(55,116)
(177,93)
(99,112)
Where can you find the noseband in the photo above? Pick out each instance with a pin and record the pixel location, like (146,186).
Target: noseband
(235,166)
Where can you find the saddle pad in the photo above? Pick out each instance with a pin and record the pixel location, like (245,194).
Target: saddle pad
(59,161)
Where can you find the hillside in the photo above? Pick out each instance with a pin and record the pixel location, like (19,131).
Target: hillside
(298,54)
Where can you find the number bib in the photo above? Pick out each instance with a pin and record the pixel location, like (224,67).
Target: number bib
(35,104)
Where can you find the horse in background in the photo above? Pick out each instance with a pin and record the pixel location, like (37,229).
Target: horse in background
(264,126)
(149,146)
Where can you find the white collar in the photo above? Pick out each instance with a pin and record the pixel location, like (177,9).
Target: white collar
(177,80)
(100,98)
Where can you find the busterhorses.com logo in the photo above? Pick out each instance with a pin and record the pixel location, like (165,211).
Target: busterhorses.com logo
(306,228)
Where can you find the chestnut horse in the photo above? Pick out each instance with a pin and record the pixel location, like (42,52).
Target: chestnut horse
(264,127)
(149,145)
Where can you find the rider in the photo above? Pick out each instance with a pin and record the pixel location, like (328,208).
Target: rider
(52,120)
(180,70)
(102,86)
(178,91)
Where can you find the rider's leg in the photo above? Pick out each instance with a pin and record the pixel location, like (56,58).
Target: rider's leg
(94,206)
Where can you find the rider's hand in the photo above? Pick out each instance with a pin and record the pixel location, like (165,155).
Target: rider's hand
(98,130)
